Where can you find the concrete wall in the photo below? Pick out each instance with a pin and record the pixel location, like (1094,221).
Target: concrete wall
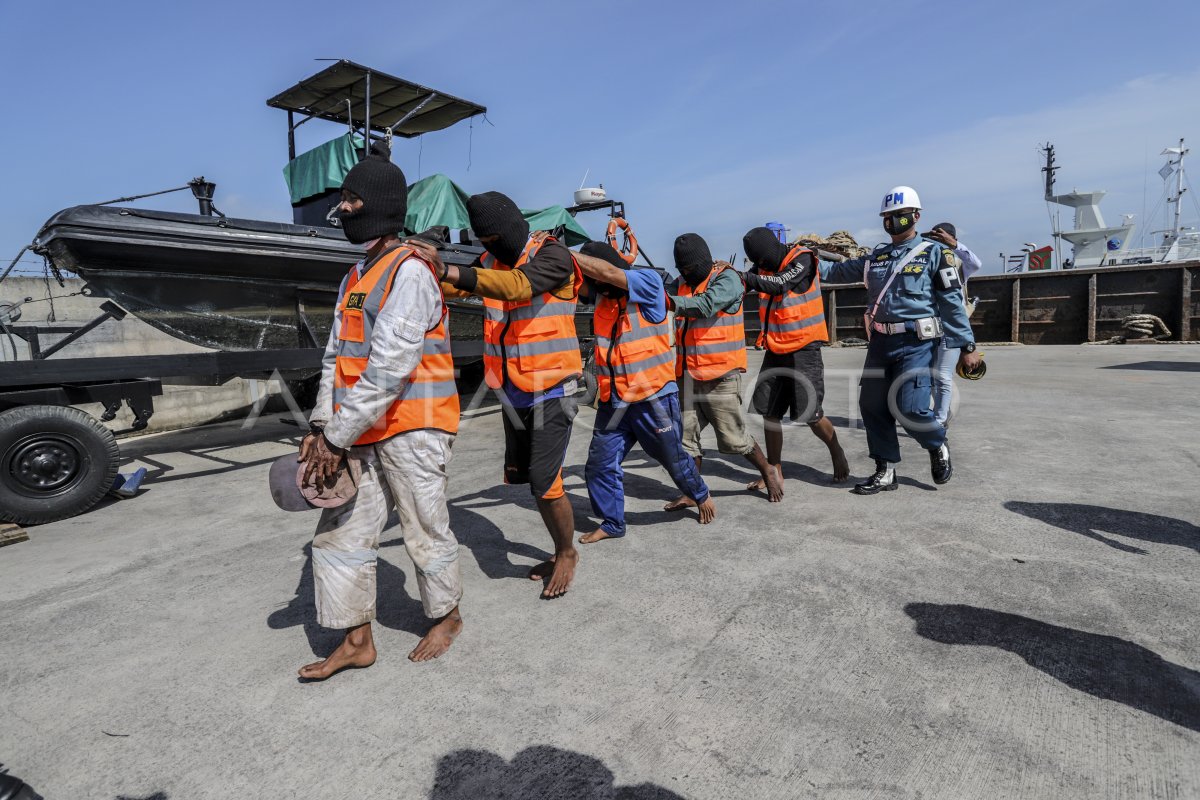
(180,406)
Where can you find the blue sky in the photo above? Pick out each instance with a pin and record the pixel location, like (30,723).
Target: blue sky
(702,117)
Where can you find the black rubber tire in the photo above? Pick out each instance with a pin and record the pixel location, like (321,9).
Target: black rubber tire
(75,447)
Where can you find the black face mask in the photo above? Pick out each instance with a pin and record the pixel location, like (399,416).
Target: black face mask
(494,214)
(899,223)
(604,251)
(764,249)
(359,227)
(506,249)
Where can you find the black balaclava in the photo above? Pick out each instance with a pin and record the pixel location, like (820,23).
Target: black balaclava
(606,252)
(763,248)
(693,259)
(494,214)
(384,193)
(948,228)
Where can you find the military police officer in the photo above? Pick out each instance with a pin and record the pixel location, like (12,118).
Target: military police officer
(913,301)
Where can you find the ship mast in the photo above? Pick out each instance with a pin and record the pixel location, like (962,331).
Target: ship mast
(1049,170)
(1180,151)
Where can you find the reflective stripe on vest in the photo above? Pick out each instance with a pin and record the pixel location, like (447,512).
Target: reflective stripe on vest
(711,347)
(531,343)
(632,353)
(428,397)
(792,321)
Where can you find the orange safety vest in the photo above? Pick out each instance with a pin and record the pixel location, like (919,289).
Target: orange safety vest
(711,347)
(531,343)
(792,321)
(632,353)
(429,398)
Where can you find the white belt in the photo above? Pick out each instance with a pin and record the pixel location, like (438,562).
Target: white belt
(912,326)
(888,328)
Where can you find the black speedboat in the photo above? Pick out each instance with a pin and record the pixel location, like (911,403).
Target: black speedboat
(219,282)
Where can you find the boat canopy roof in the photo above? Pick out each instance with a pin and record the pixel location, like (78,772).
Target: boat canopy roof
(407,108)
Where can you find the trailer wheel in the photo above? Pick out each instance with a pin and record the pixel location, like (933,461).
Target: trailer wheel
(55,462)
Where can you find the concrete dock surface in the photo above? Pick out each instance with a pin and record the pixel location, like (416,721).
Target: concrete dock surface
(1027,631)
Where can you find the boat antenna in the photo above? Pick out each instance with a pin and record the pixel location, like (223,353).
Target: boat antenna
(585,174)
(131,198)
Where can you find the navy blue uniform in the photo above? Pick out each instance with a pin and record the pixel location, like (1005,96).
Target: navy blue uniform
(897,380)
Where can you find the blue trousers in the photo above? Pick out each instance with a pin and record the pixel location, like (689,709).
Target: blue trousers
(655,425)
(897,386)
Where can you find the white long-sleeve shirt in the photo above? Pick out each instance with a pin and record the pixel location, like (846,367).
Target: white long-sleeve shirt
(971,263)
(413,307)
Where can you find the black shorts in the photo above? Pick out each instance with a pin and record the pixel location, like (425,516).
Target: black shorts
(535,445)
(791,384)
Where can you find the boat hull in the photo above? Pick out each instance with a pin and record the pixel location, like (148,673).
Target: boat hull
(226,284)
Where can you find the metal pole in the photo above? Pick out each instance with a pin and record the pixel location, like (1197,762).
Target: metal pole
(367,119)
(291,138)
(1178,190)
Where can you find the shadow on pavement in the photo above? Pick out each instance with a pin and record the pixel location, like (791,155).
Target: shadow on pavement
(211,443)
(1103,666)
(474,530)
(1091,520)
(535,772)
(395,609)
(1160,366)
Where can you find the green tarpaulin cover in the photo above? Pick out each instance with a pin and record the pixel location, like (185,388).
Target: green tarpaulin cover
(432,201)
(322,168)
(437,200)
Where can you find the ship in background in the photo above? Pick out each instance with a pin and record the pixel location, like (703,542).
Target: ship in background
(1094,243)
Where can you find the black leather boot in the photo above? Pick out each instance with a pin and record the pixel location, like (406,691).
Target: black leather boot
(939,465)
(884,479)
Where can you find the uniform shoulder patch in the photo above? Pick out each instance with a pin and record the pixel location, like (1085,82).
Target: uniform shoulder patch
(950,258)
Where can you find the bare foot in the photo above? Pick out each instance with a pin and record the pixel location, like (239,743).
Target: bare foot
(564,571)
(439,638)
(596,536)
(708,512)
(680,503)
(760,484)
(539,572)
(841,467)
(356,650)
(774,483)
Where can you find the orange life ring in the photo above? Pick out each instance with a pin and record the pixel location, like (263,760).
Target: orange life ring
(630,240)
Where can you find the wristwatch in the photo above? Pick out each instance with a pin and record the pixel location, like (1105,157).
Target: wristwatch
(969,347)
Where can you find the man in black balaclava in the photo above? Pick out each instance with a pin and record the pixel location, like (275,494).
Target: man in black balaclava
(710,342)
(606,252)
(383,182)
(792,330)
(356,414)
(499,225)
(521,272)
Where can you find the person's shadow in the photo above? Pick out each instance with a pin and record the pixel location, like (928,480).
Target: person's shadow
(1103,666)
(394,608)
(474,530)
(534,773)
(1091,520)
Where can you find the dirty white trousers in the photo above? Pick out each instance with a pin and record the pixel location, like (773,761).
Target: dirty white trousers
(406,472)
